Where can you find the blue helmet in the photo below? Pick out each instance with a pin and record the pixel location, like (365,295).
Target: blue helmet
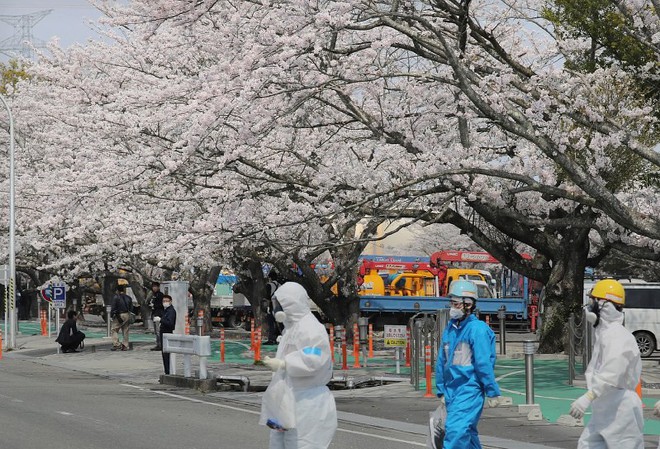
(463,289)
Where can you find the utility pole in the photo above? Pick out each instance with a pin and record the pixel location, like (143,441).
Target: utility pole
(11,285)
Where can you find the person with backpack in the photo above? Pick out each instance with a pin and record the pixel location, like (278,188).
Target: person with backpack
(122,305)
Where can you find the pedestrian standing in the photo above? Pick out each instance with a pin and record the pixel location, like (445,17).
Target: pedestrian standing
(167,325)
(273,327)
(465,370)
(157,309)
(122,304)
(297,405)
(612,375)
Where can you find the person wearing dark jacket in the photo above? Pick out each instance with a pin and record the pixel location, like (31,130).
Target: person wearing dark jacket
(167,325)
(70,337)
(122,304)
(157,311)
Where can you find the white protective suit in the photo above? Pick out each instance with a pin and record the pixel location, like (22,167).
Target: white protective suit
(305,350)
(612,375)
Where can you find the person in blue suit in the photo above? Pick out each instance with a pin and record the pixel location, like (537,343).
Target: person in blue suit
(465,368)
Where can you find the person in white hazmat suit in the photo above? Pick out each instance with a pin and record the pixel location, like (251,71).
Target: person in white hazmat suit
(297,394)
(612,375)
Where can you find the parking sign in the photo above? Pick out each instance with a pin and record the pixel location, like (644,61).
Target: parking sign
(59,295)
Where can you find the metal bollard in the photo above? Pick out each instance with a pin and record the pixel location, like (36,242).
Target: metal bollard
(108,310)
(200,323)
(528,350)
(363,326)
(501,314)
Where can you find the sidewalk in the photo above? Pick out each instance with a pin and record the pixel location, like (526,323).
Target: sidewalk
(394,405)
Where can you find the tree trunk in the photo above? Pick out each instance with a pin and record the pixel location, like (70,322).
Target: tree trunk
(202,288)
(564,291)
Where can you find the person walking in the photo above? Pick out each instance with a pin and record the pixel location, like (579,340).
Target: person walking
(612,375)
(297,404)
(465,368)
(70,337)
(157,309)
(167,326)
(122,304)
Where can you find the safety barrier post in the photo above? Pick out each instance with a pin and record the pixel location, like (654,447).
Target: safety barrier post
(528,350)
(200,323)
(408,347)
(356,346)
(108,319)
(344,352)
(44,331)
(222,345)
(332,343)
(257,344)
(427,363)
(638,390)
(371,341)
(252,334)
(187,330)
(533,311)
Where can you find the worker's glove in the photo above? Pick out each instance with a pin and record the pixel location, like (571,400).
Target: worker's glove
(579,406)
(493,402)
(273,364)
(656,409)
(156,319)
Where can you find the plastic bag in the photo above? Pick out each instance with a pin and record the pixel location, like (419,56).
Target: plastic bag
(278,401)
(437,420)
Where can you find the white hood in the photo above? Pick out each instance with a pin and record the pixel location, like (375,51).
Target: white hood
(294,301)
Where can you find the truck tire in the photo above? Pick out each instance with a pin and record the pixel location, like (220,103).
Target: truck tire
(232,321)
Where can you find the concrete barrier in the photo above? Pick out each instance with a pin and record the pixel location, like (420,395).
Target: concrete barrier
(188,345)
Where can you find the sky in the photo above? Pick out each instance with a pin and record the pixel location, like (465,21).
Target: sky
(68,20)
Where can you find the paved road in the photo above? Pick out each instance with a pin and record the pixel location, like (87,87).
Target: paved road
(46,406)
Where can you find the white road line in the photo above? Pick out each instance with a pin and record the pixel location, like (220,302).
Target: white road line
(522,393)
(254,412)
(65,413)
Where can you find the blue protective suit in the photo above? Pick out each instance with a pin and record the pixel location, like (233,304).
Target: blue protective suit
(464,374)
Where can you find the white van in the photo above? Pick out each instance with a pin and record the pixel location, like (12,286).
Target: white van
(642,312)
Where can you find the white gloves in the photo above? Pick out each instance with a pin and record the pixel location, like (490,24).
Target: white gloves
(656,409)
(493,402)
(581,405)
(156,319)
(273,364)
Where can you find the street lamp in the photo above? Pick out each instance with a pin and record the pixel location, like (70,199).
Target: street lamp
(11,332)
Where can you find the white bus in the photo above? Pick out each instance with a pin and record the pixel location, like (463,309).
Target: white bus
(642,312)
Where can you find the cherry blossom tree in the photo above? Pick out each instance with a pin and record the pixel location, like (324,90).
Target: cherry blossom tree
(208,129)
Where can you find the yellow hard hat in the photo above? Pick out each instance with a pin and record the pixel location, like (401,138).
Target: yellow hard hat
(610,290)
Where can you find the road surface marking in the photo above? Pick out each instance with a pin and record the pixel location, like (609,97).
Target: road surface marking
(254,412)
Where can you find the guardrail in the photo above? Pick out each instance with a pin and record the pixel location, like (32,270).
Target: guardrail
(188,345)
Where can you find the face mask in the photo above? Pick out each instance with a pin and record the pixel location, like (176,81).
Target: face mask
(456,314)
(280,316)
(592,313)
(167,304)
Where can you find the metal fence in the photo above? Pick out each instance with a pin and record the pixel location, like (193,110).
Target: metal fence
(426,330)
(580,342)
